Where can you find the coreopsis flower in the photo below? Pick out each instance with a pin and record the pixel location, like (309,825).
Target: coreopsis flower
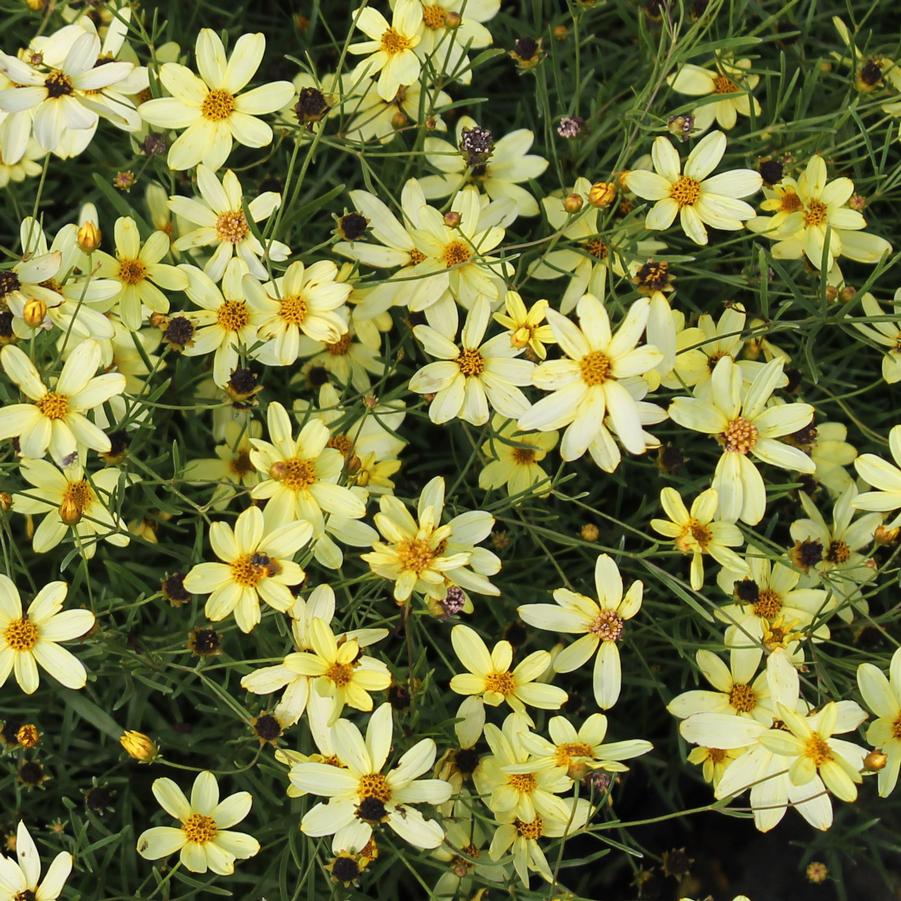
(490,680)
(527,327)
(831,554)
(739,689)
(739,418)
(338,671)
(219,216)
(689,193)
(496,167)
(301,475)
(306,300)
(884,477)
(591,256)
(139,273)
(62,97)
(31,638)
(390,51)
(883,697)
(817,762)
(55,419)
(601,624)
(361,796)
(582,750)
(729,81)
(69,499)
(819,206)
(698,532)
(593,379)
(514,459)
(227,321)
(257,564)
(22,878)
(204,838)
(884,331)
(465,379)
(713,761)
(523,837)
(424,556)
(211,107)
(826,444)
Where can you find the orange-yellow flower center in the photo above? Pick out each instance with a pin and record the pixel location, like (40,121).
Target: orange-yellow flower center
(415,554)
(568,750)
(294,473)
(76,498)
(232,226)
(597,248)
(768,604)
(250,569)
(199,829)
(233,315)
(218,105)
(293,309)
(374,785)
(608,626)
(523,782)
(740,435)
(471,362)
(416,257)
(456,253)
(595,368)
(817,749)
(724,85)
(240,464)
(340,673)
(132,271)
(695,536)
(838,552)
(523,456)
(434,17)
(742,698)
(790,202)
(394,43)
(340,347)
(54,405)
(685,190)
(816,213)
(502,683)
(21,634)
(531,830)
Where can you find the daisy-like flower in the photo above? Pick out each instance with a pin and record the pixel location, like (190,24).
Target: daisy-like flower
(219,215)
(591,256)
(739,418)
(885,330)
(231,467)
(256,565)
(514,459)
(523,837)
(69,499)
(527,327)
(361,796)
(204,840)
(306,300)
(301,475)
(689,193)
(496,167)
(227,321)
(466,378)
(582,750)
(55,419)
(884,477)
(212,107)
(713,761)
(21,879)
(390,51)
(490,680)
(831,554)
(62,97)
(883,697)
(827,445)
(338,671)
(588,384)
(424,556)
(139,272)
(812,206)
(30,639)
(698,532)
(818,762)
(737,692)
(601,624)
(729,82)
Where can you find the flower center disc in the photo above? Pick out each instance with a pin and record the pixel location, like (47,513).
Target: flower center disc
(471,362)
(21,634)
(218,105)
(294,473)
(200,829)
(232,226)
(53,405)
(456,253)
(685,190)
(816,213)
(394,43)
(740,435)
(595,368)
(132,271)
(415,554)
(232,315)
(293,309)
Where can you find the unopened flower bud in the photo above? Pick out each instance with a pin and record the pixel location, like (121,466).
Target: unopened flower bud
(139,746)
(875,761)
(88,237)
(857,202)
(34,312)
(70,512)
(399,119)
(590,532)
(452,219)
(453,20)
(6,501)
(573,203)
(602,194)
